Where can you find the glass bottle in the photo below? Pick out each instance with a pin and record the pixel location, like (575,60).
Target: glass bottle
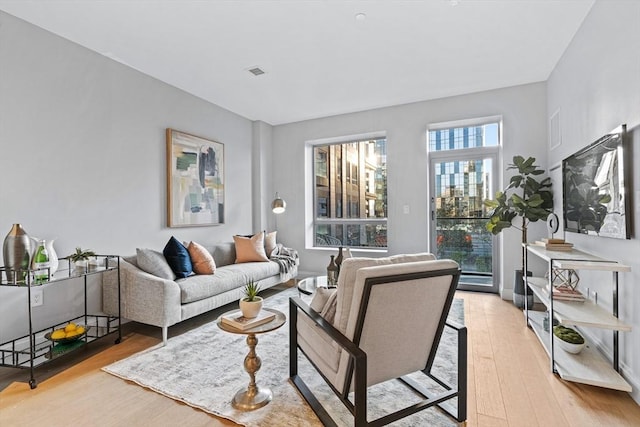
(332,273)
(339,259)
(41,263)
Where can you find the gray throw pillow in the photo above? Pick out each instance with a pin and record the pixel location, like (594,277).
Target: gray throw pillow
(154,262)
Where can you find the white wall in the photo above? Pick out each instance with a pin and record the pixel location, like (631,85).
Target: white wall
(596,87)
(523,110)
(83,149)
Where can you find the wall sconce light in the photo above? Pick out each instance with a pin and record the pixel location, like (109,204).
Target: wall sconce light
(278,205)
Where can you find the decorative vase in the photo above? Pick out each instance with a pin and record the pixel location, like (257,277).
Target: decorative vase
(54,262)
(16,252)
(332,273)
(250,309)
(339,259)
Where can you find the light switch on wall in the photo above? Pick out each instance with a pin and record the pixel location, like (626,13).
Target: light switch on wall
(405,209)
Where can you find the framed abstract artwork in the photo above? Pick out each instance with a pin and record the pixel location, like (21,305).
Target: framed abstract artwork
(195,180)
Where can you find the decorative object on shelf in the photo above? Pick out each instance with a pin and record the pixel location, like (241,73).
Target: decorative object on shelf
(339,259)
(195,180)
(16,252)
(566,278)
(41,264)
(69,333)
(568,339)
(534,203)
(80,260)
(278,205)
(553,224)
(332,273)
(251,303)
(54,263)
(545,322)
(555,245)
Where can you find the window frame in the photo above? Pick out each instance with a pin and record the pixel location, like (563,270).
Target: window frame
(311,205)
(494,152)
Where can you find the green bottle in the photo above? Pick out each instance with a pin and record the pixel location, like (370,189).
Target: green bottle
(41,263)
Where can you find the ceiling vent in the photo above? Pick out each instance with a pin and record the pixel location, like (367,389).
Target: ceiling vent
(256,71)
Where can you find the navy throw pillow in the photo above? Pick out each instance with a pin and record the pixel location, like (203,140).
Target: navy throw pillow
(178,258)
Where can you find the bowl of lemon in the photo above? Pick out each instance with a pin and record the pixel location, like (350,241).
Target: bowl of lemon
(69,333)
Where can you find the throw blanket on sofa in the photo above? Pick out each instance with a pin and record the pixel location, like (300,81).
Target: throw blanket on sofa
(286,258)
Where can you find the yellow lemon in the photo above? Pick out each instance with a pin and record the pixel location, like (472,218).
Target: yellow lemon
(58,334)
(70,327)
(75,333)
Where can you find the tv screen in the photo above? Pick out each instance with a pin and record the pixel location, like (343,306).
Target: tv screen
(594,195)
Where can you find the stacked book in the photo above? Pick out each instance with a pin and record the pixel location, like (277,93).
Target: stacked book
(566,293)
(238,321)
(555,244)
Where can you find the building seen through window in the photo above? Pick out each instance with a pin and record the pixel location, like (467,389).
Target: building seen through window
(351,194)
(460,187)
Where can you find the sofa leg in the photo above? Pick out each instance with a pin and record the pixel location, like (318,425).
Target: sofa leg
(165,333)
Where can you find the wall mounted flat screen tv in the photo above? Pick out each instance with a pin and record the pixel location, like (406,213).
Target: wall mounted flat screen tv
(595,189)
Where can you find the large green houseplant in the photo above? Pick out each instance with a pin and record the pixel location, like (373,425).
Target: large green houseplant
(525,197)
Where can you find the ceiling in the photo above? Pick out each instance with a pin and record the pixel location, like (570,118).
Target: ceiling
(319,58)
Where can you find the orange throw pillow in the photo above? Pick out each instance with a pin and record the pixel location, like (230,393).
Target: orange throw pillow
(201,259)
(250,249)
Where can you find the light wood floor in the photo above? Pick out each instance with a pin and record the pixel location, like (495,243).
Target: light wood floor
(509,384)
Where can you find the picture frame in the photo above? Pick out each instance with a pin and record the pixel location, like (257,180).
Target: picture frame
(195,180)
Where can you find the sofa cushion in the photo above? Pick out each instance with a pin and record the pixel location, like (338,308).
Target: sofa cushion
(250,249)
(224,253)
(178,258)
(153,262)
(201,259)
(270,242)
(195,288)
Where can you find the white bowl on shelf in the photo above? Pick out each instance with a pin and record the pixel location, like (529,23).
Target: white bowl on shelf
(569,347)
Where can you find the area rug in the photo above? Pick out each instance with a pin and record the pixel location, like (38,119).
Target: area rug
(204,369)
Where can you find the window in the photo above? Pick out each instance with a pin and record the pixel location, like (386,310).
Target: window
(462,172)
(350,194)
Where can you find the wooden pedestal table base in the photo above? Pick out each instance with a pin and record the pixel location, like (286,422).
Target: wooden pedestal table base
(253,397)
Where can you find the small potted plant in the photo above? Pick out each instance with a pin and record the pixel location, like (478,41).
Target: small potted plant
(80,259)
(568,339)
(251,303)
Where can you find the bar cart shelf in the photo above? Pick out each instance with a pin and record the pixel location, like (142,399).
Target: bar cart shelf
(36,349)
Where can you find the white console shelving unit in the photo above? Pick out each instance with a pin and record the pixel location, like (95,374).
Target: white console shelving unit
(589,366)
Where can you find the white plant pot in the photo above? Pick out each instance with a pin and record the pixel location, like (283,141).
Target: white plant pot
(569,347)
(250,309)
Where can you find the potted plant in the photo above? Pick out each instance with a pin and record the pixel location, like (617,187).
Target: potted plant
(80,259)
(527,198)
(251,303)
(568,339)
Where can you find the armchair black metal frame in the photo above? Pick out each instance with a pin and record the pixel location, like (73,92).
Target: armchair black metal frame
(358,360)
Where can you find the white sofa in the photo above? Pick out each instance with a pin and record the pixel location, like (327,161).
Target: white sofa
(157,301)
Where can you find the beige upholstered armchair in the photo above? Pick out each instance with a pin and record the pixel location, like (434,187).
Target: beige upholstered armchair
(383,322)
